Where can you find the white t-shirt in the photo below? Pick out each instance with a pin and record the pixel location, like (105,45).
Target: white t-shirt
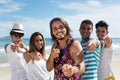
(104,69)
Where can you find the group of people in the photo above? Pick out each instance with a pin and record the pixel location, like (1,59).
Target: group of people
(88,59)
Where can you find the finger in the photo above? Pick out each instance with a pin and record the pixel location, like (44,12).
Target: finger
(92,48)
(56,50)
(89,44)
(105,37)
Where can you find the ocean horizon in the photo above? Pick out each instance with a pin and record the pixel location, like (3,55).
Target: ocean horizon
(3,41)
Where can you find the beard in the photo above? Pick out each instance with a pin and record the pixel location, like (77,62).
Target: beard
(61,38)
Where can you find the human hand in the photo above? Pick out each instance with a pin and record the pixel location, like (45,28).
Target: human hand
(16,47)
(67,70)
(22,45)
(107,40)
(55,53)
(36,55)
(91,46)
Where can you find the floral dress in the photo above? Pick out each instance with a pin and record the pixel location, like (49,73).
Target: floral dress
(64,58)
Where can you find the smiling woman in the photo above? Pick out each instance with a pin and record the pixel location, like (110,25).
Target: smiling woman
(36,58)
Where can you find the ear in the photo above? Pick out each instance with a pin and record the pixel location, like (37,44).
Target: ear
(11,36)
(107,32)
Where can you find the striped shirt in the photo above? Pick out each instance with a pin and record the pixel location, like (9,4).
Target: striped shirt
(91,62)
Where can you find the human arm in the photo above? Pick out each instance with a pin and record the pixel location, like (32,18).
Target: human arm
(22,45)
(36,55)
(54,54)
(27,57)
(78,67)
(92,45)
(5,47)
(16,47)
(107,41)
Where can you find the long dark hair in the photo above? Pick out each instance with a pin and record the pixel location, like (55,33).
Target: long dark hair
(32,47)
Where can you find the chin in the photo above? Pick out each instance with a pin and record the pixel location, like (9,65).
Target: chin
(60,38)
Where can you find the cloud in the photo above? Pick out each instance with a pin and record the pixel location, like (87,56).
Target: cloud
(95,11)
(8,6)
(93,3)
(30,25)
(79,7)
(4,1)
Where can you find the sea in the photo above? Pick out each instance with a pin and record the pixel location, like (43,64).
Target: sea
(48,41)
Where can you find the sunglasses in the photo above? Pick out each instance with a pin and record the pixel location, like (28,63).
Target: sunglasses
(18,35)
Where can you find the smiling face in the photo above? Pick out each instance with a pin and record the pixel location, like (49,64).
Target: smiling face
(85,31)
(16,37)
(38,42)
(58,30)
(101,32)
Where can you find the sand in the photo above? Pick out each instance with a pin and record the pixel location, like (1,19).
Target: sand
(5,70)
(116,69)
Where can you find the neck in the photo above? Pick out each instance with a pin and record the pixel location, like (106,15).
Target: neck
(85,39)
(62,43)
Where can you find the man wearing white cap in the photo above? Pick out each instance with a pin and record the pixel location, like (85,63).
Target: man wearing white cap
(15,52)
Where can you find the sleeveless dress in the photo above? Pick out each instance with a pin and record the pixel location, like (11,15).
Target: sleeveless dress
(17,63)
(64,58)
(91,62)
(37,70)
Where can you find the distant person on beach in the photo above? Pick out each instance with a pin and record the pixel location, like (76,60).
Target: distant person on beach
(36,58)
(91,50)
(15,52)
(104,70)
(66,57)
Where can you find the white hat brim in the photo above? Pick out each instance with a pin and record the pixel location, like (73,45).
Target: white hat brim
(18,31)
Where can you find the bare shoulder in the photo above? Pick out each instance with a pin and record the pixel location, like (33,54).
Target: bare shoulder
(76,47)
(76,51)
(76,44)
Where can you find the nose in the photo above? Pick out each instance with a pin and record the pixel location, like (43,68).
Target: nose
(85,30)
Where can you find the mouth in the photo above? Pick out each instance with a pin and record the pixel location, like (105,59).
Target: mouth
(39,45)
(85,34)
(59,34)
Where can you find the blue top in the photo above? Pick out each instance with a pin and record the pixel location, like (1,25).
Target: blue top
(91,62)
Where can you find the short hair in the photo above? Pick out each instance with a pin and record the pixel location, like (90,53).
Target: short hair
(87,21)
(101,24)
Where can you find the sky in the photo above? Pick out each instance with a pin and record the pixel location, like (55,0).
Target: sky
(35,15)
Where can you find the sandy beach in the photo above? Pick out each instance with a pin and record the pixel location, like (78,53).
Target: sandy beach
(116,69)
(5,70)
